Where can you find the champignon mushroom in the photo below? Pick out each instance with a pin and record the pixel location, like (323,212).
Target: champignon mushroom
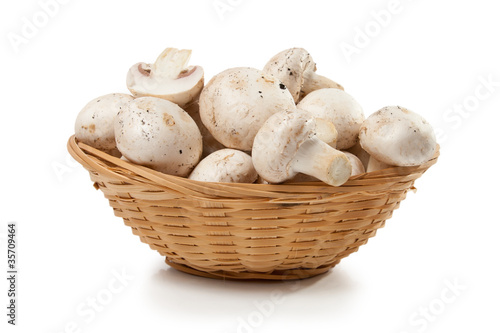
(360,153)
(341,109)
(287,144)
(357,166)
(375,165)
(326,131)
(262,181)
(159,134)
(95,123)
(169,78)
(210,145)
(236,102)
(297,70)
(397,136)
(225,166)
(357,169)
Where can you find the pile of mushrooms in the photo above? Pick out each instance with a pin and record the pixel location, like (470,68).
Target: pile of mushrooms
(282,124)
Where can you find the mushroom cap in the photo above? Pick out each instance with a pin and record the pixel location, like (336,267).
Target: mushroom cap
(398,136)
(236,102)
(94,124)
(169,78)
(296,69)
(159,134)
(210,145)
(289,66)
(225,166)
(340,108)
(277,142)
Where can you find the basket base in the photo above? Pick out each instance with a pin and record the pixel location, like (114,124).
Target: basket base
(282,275)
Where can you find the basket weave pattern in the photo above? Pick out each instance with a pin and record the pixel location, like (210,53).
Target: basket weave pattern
(248,231)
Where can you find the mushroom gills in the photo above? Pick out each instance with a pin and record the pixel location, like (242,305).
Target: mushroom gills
(169,78)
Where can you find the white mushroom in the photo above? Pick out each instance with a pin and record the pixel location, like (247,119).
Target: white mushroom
(262,181)
(326,131)
(375,165)
(360,153)
(301,178)
(357,169)
(338,107)
(210,145)
(157,133)
(169,78)
(357,166)
(297,70)
(95,123)
(397,136)
(225,166)
(287,144)
(236,102)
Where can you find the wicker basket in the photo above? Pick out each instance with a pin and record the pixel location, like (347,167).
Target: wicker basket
(248,231)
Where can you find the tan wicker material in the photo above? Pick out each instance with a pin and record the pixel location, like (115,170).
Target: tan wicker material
(248,231)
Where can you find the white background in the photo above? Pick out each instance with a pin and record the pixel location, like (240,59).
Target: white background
(429,56)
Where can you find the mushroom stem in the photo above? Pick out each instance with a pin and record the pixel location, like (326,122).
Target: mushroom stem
(313,81)
(171,62)
(316,158)
(326,132)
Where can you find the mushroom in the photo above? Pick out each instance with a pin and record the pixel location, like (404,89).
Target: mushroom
(94,124)
(397,136)
(326,131)
(341,109)
(210,145)
(158,134)
(357,166)
(297,70)
(357,169)
(236,102)
(169,78)
(301,178)
(262,181)
(225,166)
(375,165)
(360,153)
(287,144)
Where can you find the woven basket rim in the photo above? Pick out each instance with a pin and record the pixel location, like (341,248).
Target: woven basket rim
(121,170)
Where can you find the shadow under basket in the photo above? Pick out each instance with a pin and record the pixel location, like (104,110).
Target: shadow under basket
(248,231)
